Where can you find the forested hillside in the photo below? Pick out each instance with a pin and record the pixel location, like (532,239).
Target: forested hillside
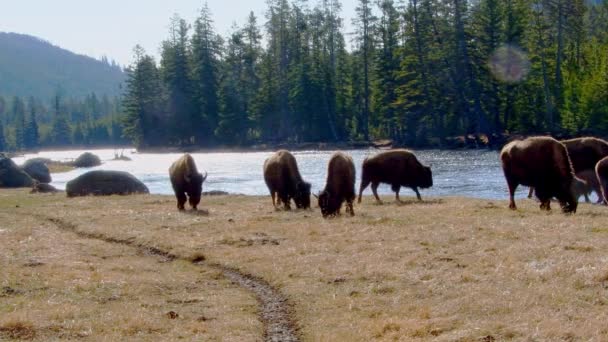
(415,71)
(30,66)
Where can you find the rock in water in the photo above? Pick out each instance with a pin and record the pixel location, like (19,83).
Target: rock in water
(105,183)
(38,170)
(11,176)
(87,159)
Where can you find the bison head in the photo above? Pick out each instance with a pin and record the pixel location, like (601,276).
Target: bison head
(194,188)
(330,205)
(302,196)
(568,199)
(426,181)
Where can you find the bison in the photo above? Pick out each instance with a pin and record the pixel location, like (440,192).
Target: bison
(541,162)
(283,179)
(186,180)
(339,187)
(601,170)
(584,154)
(397,168)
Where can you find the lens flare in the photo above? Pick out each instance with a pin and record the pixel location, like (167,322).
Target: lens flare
(509,64)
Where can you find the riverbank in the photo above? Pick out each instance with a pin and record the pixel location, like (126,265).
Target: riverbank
(444,269)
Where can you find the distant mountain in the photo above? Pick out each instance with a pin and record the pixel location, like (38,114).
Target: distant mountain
(30,66)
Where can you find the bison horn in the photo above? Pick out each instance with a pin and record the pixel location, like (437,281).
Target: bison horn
(205,176)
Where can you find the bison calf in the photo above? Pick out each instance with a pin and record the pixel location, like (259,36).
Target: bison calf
(397,168)
(339,187)
(186,180)
(541,162)
(283,178)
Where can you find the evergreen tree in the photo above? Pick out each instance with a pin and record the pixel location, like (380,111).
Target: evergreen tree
(18,114)
(61,132)
(364,23)
(142,103)
(176,74)
(3,146)
(32,135)
(206,52)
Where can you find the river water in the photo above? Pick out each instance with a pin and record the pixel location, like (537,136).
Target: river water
(470,173)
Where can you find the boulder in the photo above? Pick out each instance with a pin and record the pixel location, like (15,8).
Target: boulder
(105,183)
(11,175)
(38,170)
(87,159)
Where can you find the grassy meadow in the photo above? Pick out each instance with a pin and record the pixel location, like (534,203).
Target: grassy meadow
(449,269)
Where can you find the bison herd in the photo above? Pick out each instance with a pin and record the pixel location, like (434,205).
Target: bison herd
(563,170)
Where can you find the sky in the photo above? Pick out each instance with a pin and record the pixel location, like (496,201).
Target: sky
(113,27)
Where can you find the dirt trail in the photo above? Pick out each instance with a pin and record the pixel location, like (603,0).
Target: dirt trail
(275,311)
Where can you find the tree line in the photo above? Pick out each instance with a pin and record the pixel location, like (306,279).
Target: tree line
(414,71)
(31,124)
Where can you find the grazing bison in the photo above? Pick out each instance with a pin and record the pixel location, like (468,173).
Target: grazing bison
(397,168)
(584,154)
(601,170)
(339,187)
(541,162)
(186,180)
(283,179)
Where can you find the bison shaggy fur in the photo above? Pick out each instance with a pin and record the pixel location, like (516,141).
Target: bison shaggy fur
(586,152)
(339,186)
(541,162)
(397,168)
(283,179)
(186,180)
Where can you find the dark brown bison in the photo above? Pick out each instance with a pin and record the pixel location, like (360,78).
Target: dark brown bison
(397,168)
(339,187)
(186,180)
(601,170)
(584,154)
(541,162)
(283,179)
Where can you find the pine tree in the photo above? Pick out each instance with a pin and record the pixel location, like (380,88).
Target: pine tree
(176,74)
(233,124)
(142,103)
(364,23)
(386,67)
(32,135)
(206,53)
(61,132)
(18,114)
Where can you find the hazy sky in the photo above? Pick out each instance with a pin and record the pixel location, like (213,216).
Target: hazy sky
(114,27)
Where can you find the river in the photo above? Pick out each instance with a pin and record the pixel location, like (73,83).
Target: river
(469,173)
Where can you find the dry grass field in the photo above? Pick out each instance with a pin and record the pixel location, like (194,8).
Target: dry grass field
(450,269)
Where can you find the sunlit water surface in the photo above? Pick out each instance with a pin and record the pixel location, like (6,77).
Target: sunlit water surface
(469,173)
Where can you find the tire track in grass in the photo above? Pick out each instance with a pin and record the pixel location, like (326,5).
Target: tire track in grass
(275,310)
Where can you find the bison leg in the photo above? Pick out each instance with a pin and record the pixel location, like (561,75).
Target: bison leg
(587,200)
(272,194)
(531,192)
(349,208)
(364,184)
(545,205)
(181,200)
(286,200)
(417,193)
(512,187)
(375,191)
